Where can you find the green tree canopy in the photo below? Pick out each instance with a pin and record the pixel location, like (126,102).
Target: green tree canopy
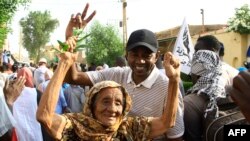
(240,23)
(36,28)
(104,44)
(7,10)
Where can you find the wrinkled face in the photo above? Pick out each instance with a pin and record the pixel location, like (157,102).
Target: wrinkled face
(108,106)
(141,60)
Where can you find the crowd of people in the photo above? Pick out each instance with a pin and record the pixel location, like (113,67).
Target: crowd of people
(140,98)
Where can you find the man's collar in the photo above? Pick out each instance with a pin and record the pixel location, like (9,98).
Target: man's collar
(149,81)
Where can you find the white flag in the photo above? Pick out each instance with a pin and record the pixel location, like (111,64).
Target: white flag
(183,48)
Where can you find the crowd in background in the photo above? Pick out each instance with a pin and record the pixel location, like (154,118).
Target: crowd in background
(72,101)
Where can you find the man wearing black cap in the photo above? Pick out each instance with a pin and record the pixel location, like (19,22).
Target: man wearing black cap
(143,81)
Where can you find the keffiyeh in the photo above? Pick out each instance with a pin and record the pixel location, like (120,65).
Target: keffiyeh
(207,65)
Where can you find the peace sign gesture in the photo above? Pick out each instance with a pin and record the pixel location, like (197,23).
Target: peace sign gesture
(79,21)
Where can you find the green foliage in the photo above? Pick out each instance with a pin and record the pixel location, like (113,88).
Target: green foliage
(187,85)
(79,43)
(104,44)
(240,23)
(7,10)
(187,81)
(36,28)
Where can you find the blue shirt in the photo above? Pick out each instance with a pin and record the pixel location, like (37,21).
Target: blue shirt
(61,104)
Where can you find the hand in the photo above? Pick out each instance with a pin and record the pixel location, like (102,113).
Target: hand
(78,21)
(240,92)
(71,42)
(13,89)
(172,66)
(70,58)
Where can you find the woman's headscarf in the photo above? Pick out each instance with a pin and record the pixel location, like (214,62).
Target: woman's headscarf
(27,73)
(85,126)
(207,65)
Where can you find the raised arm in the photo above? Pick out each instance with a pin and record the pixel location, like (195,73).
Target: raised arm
(46,115)
(161,124)
(79,22)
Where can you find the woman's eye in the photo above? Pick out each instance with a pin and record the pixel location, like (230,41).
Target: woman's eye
(105,101)
(118,103)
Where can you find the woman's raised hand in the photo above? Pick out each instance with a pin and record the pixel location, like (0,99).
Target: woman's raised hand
(172,66)
(79,21)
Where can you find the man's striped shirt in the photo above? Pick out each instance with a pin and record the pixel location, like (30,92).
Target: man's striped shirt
(148,97)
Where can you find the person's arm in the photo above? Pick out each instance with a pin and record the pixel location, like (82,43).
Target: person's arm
(75,77)
(240,92)
(46,115)
(79,22)
(161,124)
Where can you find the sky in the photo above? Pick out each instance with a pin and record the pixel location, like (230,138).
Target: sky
(155,15)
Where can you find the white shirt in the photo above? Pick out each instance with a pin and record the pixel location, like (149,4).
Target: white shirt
(24,111)
(39,75)
(228,74)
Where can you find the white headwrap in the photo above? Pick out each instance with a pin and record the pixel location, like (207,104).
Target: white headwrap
(207,65)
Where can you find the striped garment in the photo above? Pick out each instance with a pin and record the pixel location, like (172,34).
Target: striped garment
(207,65)
(147,97)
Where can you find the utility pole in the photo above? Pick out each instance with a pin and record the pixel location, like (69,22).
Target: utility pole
(202,14)
(20,43)
(124,22)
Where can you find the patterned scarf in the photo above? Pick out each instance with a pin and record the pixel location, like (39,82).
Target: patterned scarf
(207,65)
(88,128)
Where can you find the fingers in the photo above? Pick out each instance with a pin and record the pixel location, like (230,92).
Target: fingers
(6,86)
(242,81)
(246,76)
(170,59)
(85,11)
(20,81)
(171,65)
(7,82)
(72,43)
(90,17)
(73,19)
(79,20)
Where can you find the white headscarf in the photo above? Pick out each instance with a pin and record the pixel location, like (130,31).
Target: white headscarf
(207,65)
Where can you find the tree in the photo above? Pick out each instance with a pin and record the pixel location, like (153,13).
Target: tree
(240,23)
(7,10)
(36,28)
(103,44)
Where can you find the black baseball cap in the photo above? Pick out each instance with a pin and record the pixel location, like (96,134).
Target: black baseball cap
(142,37)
